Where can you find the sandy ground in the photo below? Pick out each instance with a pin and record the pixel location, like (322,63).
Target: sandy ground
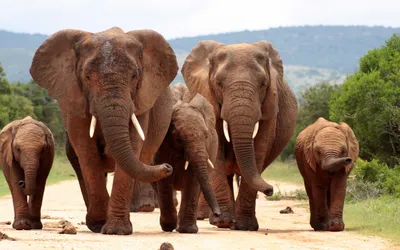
(277,231)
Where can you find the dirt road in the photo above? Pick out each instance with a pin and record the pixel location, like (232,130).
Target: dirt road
(277,231)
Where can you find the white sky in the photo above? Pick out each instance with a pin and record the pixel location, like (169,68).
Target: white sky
(177,18)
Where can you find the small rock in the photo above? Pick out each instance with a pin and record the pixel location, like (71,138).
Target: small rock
(166,246)
(82,223)
(5,223)
(287,210)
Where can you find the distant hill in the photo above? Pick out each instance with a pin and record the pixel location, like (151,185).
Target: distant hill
(310,53)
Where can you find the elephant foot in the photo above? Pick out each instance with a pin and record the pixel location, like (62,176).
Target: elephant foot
(146,208)
(225,220)
(319,226)
(245,223)
(95,225)
(168,224)
(117,226)
(187,228)
(336,225)
(201,215)
(26,224)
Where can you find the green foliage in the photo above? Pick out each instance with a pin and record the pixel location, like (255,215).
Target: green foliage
(369,101)
(313,103)
(20,100)
(373,179)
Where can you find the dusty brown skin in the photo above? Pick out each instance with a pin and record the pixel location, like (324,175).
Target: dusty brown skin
(110,76)
(26,157)
(191,138)
(325,154)
(144,198)
(244,83)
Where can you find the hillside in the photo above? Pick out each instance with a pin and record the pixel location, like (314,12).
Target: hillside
(310,53)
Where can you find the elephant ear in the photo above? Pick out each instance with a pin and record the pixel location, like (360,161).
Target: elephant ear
(352,144)
(205,108)
(305,140)
(54,68)
(6,141)
(270,107)
(159,68)
(196,68)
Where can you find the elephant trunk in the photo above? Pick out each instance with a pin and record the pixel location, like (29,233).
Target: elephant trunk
(242,113)
(200,169)
(334,164)
(30,167)
(114,119)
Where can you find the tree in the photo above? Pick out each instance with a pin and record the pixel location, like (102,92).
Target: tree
(369,101)
(313,103)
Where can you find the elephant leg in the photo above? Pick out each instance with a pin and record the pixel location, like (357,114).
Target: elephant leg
(92,167)
(143,199)
(319,197)
(22,219)
(189,202)
(73,159)
(118,219)
(168,213)
(313,218)
(225,200)
(245,208)
(336,202)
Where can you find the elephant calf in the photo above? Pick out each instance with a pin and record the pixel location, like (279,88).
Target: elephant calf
(190,147)
(325,154)
(27,154)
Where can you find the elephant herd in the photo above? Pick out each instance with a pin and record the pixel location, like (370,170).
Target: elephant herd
(234,116)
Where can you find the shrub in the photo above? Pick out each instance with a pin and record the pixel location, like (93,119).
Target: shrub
(373,179)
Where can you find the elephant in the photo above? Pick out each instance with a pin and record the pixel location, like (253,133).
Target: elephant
(256,113)
(144,198)
(325,153)
(26,157)
(112,90)
(190,147)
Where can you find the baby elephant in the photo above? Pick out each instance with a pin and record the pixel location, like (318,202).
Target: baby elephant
(190,147)
(26,157)
(325,154)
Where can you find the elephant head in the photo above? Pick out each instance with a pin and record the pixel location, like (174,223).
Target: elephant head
(111,76)
(242,82)
(329,145)
(23,144)
(193,132)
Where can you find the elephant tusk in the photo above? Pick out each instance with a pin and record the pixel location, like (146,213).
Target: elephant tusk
(92,126)
(255,129)
(210,163)
(186,165)
(226,132)
(137,126)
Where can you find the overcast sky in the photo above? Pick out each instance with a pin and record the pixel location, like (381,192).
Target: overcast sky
(177,18)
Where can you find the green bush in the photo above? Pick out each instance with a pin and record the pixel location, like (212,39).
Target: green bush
(373,179)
